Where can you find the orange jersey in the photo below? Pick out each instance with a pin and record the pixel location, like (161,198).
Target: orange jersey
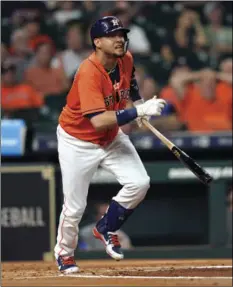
(21,96)
(201,114)
(92,91)
(204,115)
(47,81)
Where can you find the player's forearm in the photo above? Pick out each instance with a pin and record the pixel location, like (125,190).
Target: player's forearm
(108,119)
(104,120)
(225,77)
(193,76)
(178,82)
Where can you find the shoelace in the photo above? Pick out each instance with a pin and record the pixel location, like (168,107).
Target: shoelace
(113,238)
(68,261)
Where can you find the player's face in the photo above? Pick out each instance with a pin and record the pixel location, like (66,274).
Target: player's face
(113,44)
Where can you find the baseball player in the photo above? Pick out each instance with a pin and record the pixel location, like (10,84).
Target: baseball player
(104,96)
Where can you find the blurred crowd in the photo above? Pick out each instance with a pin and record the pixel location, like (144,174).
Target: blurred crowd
(182,53)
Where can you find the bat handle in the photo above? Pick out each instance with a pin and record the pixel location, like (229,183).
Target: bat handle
(164,140)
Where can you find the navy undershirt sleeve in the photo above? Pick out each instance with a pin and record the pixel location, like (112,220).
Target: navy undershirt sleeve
(134,89)
(123,116)
(89,116)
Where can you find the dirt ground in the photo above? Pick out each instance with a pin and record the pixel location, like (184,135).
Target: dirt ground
(123,273)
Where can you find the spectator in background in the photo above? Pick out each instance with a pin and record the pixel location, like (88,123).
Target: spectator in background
(167,56)
(4,52)
(41,75)
(90,8)
(17,96)
(218,36)
(71,58)
(203,102)
(138,41)
(140,75)
(32,29)
(17,19)
(148,87)
(67,11)
(163,64)
(188,36)
(169,119)
(50,5)
(87,240)
(20,52)
(225,71)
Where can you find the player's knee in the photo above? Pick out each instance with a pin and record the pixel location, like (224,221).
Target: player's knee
(79,213)
(142,184)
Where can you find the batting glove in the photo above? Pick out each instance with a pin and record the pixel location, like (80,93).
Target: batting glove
(139,120)
(152,107)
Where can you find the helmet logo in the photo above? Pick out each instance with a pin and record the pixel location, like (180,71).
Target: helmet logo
(115,22)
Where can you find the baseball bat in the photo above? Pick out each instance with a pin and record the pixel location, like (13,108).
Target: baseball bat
(190,163)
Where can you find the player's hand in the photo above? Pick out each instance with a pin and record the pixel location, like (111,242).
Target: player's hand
(152,107)
(139,120)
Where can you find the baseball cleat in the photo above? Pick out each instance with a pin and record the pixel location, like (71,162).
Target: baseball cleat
(111,242)
(67,265)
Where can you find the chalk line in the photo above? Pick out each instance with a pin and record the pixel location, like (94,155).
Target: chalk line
(125,277)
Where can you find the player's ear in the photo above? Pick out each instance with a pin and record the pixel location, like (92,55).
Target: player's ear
(97,42)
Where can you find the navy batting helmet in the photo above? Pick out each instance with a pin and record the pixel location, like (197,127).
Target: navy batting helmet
(105,26)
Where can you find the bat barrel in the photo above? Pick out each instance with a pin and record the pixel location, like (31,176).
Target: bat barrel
(193,166)
(200,173)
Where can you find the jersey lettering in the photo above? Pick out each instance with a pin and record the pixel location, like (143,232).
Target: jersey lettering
(124,94)
(109,101)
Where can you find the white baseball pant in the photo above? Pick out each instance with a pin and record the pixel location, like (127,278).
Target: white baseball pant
(79,161)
